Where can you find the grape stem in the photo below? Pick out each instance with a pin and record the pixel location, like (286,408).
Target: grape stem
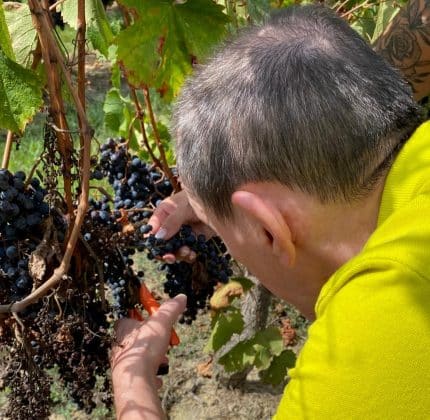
(7,150)
(102,190)
(160,147)
(43,27)
(99,271)
(32,171)
(81,29)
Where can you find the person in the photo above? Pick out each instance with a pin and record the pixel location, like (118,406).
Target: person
(305,151)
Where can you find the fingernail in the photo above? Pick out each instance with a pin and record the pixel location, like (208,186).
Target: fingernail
(161,233)
(183,252)
(181,298)
(169,259)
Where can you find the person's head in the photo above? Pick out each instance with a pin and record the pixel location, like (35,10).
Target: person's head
(301,102)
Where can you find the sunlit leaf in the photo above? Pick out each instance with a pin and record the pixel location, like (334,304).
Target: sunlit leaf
(224,326)
(5,41)
(20,94)
(257,351)
(239,357)
(22,32)
(98,28)
(258,9)
(158,49)
(386,12)
(118,112)
(278,369)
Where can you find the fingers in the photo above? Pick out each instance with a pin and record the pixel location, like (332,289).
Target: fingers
(125,326)
(158,382)
(161,214)
(184,254)
(168,313)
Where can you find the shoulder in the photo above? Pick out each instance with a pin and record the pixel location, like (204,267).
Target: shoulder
(367,352)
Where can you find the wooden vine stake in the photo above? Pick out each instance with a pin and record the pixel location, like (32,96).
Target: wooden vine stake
(51,54)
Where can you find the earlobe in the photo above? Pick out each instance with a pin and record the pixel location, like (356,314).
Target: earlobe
(277,229)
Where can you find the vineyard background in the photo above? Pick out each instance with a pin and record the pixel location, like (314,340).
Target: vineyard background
(120,76)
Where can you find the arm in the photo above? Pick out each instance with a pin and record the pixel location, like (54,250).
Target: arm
(139,350)
(406,45)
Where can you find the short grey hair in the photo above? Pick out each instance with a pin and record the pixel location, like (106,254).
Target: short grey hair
(301,100)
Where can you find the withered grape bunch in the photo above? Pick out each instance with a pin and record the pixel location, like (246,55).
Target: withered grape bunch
(70,328)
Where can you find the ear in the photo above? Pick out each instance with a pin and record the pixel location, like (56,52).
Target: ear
(272,220)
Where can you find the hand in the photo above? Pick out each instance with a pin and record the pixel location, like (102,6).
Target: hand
(169,216)
(139,350)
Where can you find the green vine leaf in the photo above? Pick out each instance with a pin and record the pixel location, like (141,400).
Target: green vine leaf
(267,343)
(239,357)
(224,325)
(158,49)
(278,369)
(5,40)
(258,9)
(246,283)
(118,112)
(20,94)
(386,12)
(22,32)
(98,29)
(258,351)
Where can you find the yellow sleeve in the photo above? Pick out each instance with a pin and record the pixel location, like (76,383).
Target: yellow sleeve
(368,352)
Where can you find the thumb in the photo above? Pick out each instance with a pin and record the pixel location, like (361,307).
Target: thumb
(170,226)
(169,312)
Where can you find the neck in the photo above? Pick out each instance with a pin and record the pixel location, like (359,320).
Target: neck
(327,236)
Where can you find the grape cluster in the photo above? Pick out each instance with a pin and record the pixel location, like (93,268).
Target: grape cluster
(70,328)
(29,388)
(123,282)
(22,210)
(196,280)
(138,187)
(136,184)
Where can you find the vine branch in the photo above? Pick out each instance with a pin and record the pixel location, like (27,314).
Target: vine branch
(7,150)
(162,161)
(81,41)
(48,45)
(157,137)
(141,117)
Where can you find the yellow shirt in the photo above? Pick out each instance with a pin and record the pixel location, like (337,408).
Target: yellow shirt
(368,352)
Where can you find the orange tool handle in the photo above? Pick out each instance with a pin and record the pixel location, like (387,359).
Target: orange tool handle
(151,305)
(135,314)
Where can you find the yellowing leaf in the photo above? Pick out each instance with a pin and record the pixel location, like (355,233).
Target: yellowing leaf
(225,294)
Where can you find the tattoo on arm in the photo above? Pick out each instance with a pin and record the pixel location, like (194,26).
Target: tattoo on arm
(406,45)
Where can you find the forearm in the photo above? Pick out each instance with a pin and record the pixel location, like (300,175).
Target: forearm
(406,45)
(136,396)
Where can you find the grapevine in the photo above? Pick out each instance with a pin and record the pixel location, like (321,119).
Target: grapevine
(71,327)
